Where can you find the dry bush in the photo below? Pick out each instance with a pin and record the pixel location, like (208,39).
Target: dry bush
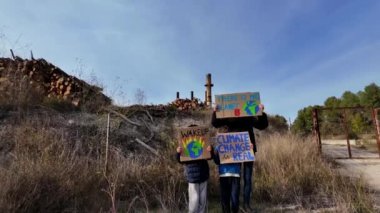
(145,183)
(54,168)
(59,105)
(46,175)
(287,166)
(17,92)
(290,170)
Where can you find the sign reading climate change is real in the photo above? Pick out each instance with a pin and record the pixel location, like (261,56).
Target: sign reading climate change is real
(238,105)
(234,147)
(194,142)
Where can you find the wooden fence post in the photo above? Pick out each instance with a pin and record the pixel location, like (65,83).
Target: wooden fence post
(347,133)
(316,133)
(377,127)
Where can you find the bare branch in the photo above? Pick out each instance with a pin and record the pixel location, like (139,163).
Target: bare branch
(148,114)
(147,147)
(124,117)
(150,130)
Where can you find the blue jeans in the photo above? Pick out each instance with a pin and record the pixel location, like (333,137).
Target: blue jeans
(247,176)
(229,191)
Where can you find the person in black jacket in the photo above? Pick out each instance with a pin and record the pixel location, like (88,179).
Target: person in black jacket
(243,124)
(197,173)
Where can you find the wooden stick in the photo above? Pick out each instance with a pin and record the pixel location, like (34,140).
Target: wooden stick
(13,55)
(107,144)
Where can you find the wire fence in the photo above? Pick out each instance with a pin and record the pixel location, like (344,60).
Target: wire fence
(354,127)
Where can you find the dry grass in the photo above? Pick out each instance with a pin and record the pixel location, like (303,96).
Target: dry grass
(48,168)
(290,170)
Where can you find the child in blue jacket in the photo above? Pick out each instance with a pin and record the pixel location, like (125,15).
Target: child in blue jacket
(229,178)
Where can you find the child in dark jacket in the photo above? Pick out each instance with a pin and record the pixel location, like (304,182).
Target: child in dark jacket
(243,124)
(197,174)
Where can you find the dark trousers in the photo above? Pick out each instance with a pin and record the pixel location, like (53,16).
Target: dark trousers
(229,190)
(247,175)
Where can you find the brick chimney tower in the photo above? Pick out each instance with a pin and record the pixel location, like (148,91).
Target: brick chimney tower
(208,86)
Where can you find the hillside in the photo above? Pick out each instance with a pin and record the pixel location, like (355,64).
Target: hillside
(54,160)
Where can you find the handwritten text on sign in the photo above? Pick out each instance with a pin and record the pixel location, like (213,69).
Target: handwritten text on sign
(194,142)
(234,147)
(238,105)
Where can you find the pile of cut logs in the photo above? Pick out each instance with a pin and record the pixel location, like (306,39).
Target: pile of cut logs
(187,104)
(54,82)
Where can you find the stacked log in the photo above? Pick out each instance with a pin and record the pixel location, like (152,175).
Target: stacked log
(187,104)
(55,83)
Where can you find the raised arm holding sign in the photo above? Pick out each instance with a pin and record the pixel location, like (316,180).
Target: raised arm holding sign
(193,142)
(241,112)
(238,105)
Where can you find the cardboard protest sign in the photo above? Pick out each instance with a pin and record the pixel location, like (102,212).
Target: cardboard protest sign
(238,105)
(194,142)
(234,147)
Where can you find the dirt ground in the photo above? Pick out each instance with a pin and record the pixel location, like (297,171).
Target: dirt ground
(363,163)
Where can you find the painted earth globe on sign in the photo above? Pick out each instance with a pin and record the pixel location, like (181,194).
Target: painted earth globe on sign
(195,148)
(251,107)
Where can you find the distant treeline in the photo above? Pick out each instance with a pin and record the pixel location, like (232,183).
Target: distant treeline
(359,121)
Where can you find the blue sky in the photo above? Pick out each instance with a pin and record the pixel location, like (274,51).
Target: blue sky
(294,52)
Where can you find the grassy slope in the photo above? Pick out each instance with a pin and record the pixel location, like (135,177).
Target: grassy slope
(50,164)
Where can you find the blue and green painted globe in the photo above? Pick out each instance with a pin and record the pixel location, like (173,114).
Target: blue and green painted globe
(194,148)
(251,107)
